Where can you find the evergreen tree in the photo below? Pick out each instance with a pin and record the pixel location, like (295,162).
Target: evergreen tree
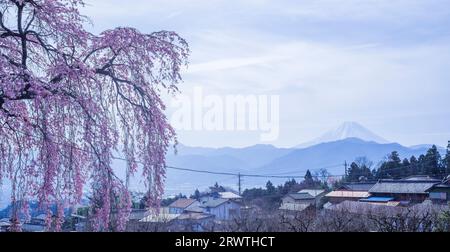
(414,166)
(365,166)
(432,162)
(309,181)
(447,160)
(354,173)
(289,186)
(407,165)
(196,195)
(270,188)
(421,165)
(395,158)
(392,168)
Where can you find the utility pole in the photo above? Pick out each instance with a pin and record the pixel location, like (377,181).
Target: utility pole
(345,165)
(239,183)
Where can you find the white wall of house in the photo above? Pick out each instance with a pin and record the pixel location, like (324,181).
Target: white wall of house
(288,199)
(439,196)
(225,211)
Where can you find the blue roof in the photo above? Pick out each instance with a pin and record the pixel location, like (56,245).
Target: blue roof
(377,199)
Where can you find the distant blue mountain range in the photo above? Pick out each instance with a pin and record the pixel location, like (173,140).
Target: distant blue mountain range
(346,143)
(269,160)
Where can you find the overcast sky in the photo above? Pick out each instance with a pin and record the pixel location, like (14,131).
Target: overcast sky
(382,63)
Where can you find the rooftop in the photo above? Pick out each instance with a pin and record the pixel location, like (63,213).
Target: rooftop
(159,218)
(403,186)
(301,196)
(420,178)
(182,203)
(377,199)
(313,192)
(348,194)
(229,195)
(138,214)
(360,186)
(194,216)
(214,202)
(443,186)
(194,208)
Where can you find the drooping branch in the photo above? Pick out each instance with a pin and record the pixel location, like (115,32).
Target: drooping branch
(67,97)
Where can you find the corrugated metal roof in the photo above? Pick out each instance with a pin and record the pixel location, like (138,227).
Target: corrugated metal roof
(421,178)
(162,217)
(377,199)
(358,186)
(444,186)
(137,214)
(301,196)
(182,203)
(194,216)
(312,192)
(214,202)
(402,186)
(347,194)
(229,195)
(195,207)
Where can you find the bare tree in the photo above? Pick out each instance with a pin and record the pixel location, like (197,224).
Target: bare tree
(298,221)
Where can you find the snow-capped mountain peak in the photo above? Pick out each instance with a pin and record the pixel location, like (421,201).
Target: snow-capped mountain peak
(344,131)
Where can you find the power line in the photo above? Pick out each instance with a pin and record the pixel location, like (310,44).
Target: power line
(242,174)
(239,175)
(188,169)
(304,171)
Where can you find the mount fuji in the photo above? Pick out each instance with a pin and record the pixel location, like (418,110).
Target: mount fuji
(344,131)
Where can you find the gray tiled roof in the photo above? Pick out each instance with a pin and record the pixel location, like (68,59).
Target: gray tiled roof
(362,187)
(445,185)
(214,202)
(301,196)
(402,186)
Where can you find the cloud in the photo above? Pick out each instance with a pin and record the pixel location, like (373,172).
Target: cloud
(370,61)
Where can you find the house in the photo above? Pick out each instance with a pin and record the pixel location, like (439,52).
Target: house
(186,221)
(137,214)
(38,220)
(222,209)
(222,195)
(27,227)
(358,186)
(409,190)
(313,192)
(306,196)
(79,222)
(180,205)
(300,200)
(229,195)
(338,196)
(440,193)
(294,207)
(192,221)
(4,225)
(161,217)
(364,208)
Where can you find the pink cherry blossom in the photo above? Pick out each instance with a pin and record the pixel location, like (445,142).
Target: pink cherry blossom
(69,98)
